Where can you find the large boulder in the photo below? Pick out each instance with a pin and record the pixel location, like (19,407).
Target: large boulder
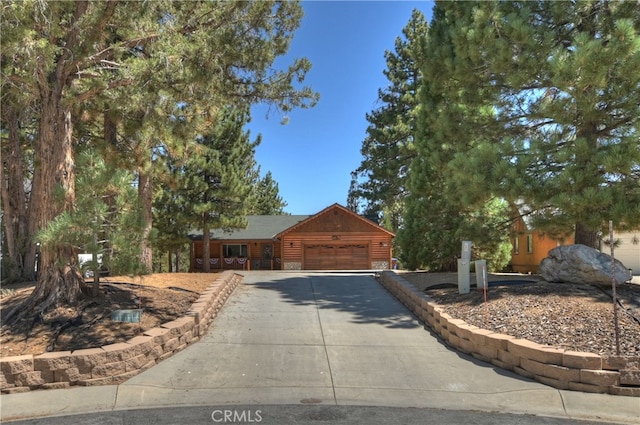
(581,264)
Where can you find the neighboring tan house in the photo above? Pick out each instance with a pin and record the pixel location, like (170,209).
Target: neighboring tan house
(336,238)
(530,247)
(628,249)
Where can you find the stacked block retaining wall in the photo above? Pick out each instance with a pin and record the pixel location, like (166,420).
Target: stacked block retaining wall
(556,367)
(115,363)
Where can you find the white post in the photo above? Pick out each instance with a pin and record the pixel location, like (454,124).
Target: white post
(482,279)
(616,325)
(463,268)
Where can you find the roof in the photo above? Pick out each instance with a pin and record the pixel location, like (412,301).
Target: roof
(525,212)
(258,227)
(331,208)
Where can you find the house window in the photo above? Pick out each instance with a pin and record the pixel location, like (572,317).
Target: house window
(529,244)
(516,245)
(235,251)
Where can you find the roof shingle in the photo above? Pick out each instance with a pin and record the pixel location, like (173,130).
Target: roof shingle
(258,227)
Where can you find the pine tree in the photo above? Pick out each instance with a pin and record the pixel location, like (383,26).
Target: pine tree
(169,212)
(436,220)
(106,221)
(353,197)
(548,94)
(216,178)
(126,61)
(266,197)
(388,147)
(18,261)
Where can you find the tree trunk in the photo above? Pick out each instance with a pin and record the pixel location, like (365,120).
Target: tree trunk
(170,261)
(206,248)
(177,260)
(14,198)
(586,236)
(145,193)
(59,278)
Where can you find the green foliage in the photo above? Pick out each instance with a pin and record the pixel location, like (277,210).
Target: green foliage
(535,102)
(214,182)
(138,80)
(539,102)
(106,220)
(429,239)
(388,147)
(488,229)
(266,197)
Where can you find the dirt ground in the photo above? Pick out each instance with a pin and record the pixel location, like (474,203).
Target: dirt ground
(570,316)
(162,297)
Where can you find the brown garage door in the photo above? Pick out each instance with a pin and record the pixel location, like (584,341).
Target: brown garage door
(336,257)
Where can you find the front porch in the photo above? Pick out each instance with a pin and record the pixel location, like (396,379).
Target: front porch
(238,263)
(236,255)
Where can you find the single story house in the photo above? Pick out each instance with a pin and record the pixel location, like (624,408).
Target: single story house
(529,245)
(335,238)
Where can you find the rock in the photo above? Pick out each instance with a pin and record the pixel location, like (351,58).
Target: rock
(581,264)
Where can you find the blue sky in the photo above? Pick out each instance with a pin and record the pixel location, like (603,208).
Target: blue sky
(312,156)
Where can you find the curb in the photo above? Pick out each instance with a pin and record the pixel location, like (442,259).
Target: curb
(115,363)
(552,366)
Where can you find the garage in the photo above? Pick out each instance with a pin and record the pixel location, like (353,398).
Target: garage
(628,250)
(335,238)
(323,256)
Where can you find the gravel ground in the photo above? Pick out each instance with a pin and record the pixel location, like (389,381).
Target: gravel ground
(570,316)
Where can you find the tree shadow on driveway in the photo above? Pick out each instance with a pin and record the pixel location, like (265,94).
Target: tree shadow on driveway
(359,295)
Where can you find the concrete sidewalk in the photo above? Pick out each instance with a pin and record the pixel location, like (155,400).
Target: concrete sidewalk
(313,338)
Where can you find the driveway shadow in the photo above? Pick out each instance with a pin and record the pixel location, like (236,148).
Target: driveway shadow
(360,295)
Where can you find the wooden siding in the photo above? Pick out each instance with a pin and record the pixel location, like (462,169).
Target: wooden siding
(343,234)
(337,221)
(528,256)
(379,244)
(256,255)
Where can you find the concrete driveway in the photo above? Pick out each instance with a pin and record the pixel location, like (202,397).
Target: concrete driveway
(333,339)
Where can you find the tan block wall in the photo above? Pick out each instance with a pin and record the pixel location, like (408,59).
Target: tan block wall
(556,367)
(115,363)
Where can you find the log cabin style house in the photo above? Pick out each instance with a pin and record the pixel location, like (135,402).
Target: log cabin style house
(336,238)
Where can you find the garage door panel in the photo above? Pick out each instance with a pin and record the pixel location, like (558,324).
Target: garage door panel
(336,256)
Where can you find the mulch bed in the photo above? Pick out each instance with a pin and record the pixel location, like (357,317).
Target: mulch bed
(64,329)
(570,316)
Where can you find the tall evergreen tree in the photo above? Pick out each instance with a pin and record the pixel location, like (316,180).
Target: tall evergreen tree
(17,165)
(216,178)
(549,94)
(436,221)
(169,212)
(388,148)
(266,197)
(72,59)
